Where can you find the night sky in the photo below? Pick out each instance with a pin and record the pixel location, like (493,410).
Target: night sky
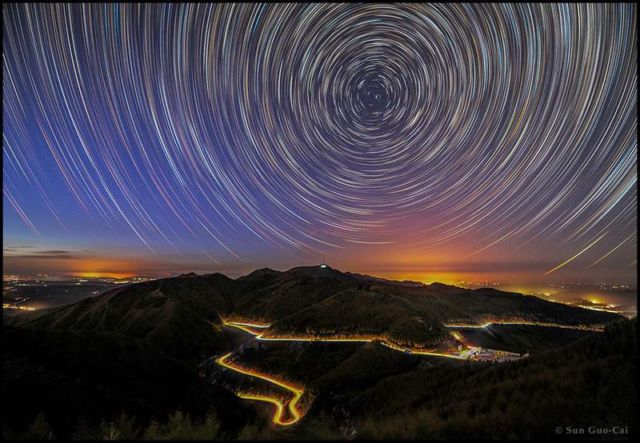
(433,142)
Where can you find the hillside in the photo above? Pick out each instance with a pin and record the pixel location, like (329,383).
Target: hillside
(76,377)
(174,314)
(112,353)
(593,381)
(180,315)
(362,391)
(372,392)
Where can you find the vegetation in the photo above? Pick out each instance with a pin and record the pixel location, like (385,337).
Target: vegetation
(74,377)
(178,426)
(591,382)
(177,315)
(129,363)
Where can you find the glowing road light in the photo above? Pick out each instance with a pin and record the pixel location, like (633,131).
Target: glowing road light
(249,324)
(593,328)
(246,327)
(353,339)
(470,353)
(18,307)
(280,407)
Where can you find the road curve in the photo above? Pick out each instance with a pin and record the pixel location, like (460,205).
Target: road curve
(278,416)
(255,330)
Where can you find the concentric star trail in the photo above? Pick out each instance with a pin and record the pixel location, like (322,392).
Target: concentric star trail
(314,128)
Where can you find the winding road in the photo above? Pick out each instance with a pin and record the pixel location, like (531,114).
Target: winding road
(256,330)
(281,410)
(287,412)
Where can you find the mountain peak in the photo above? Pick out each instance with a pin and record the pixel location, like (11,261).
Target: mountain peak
(188,275)
(321,270)
(262,272)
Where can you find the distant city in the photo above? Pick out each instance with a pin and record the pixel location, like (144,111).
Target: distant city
(42,291)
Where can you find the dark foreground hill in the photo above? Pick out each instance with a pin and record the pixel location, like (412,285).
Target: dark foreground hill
(79,378)
(137,349)
(362,391)
(588,384)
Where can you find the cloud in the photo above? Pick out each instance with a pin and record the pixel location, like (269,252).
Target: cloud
(46,254)
(16,248)
(53,252)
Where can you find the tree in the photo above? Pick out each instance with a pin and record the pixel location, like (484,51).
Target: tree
(38,430)
(180,427)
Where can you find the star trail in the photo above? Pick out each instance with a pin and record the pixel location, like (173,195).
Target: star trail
(261,133)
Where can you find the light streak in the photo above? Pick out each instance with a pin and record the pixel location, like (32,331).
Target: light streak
(470,353)
(575,256)
(278,417)
(611,251)
(593,328)
(18,307)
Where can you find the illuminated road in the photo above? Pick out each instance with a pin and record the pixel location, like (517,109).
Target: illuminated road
(278,417)
(282,407)
(255,329)
(18,307)
(258,330)
(593,328)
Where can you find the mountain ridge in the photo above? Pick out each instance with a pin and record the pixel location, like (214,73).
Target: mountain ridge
(183,314)
(141,336)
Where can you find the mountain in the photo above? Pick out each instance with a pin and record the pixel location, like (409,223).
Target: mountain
(181,315)
(590,382)
(142,348)
(174,314)
(87,376)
